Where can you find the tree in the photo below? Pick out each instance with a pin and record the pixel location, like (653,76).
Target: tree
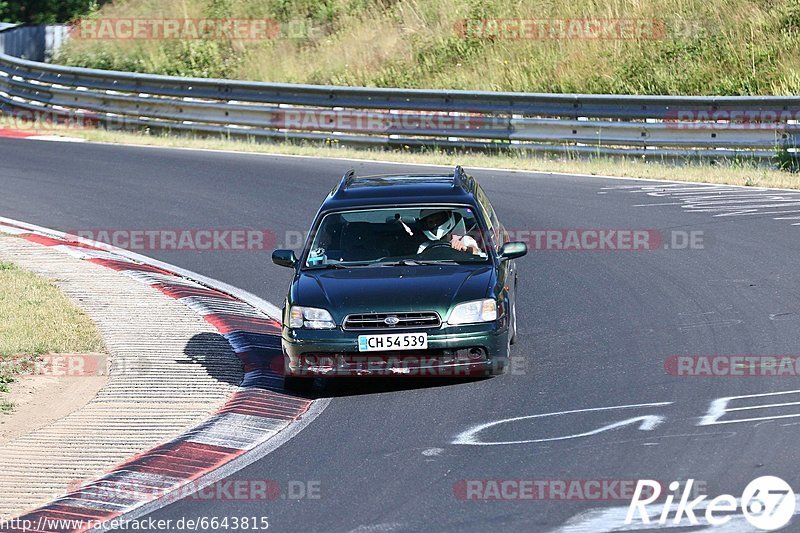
(45,11)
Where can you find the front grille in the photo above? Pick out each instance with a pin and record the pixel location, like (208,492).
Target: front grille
(425,319)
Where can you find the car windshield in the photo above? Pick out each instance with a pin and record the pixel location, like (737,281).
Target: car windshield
(398,236)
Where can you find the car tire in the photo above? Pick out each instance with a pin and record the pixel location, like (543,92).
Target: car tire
(298,384)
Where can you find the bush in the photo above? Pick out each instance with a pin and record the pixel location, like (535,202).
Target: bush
(46,11)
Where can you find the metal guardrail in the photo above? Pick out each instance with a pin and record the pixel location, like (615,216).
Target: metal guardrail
(660,126)
(36,43)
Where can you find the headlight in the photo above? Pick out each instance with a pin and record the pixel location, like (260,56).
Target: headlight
(310,317)
(473,312)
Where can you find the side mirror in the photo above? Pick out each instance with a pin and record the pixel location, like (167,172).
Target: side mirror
(284,258)
(512,250)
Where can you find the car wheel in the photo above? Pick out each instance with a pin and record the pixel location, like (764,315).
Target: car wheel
(298,384)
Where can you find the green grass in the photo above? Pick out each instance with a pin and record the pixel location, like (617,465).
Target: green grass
(6,407)
(726,47)
(5,377)
(37,318)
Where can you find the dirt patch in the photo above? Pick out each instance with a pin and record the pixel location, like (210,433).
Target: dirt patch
(57,385)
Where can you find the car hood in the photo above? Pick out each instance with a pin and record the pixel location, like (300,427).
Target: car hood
(392,288)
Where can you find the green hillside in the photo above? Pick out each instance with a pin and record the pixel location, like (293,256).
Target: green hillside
(725,47)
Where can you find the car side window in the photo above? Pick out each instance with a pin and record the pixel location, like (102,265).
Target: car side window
(495,228)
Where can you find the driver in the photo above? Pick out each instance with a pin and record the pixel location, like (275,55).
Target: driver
(444,225)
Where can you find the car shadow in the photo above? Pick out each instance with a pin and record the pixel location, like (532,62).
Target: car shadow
(363,385)
(261,366)
(214,354)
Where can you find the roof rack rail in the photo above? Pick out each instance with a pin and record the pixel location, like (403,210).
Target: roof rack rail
(346,179)
(457,175)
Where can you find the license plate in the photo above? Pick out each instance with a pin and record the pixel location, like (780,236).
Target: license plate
(400,341)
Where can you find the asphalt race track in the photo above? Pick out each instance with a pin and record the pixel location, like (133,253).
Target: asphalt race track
(595,330)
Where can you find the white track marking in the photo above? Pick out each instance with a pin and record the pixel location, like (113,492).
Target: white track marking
(646,423)
(11,230)
(56,138)
(86,253)
(722,201)
(154,278)
(206,305)
(719,408)
(768,406)
(432,452)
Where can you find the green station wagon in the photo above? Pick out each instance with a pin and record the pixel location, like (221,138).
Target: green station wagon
(401,275)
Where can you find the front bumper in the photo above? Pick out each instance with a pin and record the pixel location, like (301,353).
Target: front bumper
(454,351)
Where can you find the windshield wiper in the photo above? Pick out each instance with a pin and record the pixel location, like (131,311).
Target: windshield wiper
(327,266)
(418,262)
(324,267)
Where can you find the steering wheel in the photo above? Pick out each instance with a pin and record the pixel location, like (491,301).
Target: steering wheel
(432,245)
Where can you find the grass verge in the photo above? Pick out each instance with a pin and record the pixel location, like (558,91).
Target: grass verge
(36,318)
(732,173)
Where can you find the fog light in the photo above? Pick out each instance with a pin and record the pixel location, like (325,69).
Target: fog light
(476,353)
(469,355)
